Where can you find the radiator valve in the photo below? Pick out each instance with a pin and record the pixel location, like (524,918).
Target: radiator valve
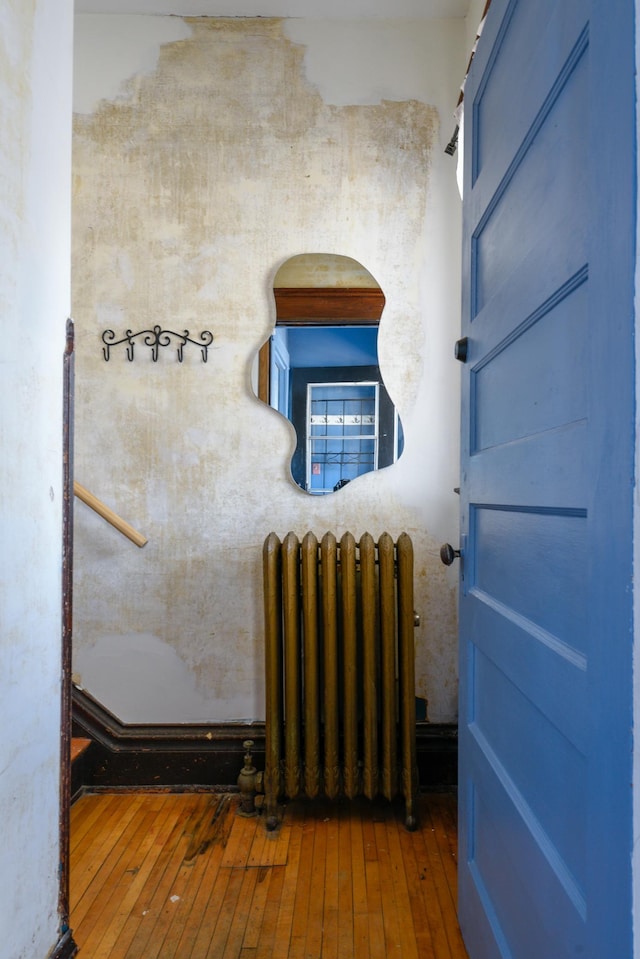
(249,783)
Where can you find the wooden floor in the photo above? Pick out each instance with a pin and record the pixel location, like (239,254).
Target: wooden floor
(156,876)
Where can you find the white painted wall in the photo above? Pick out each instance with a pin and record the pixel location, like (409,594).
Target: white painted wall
(35,148)
(635,852)
(474,16)
(198,171)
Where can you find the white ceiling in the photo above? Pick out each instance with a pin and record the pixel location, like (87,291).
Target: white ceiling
(315,9)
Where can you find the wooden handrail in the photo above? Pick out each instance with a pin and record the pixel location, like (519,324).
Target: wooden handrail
(103,510)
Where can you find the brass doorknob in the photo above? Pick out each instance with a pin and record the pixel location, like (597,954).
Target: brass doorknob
(448,554)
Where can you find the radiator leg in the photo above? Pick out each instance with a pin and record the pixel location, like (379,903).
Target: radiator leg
(411,804)
(272,814)
(411,823)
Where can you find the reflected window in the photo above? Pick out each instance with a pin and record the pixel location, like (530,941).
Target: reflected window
(342,433)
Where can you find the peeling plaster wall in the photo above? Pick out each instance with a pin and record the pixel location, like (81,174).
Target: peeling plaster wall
(35,189)
(194,181)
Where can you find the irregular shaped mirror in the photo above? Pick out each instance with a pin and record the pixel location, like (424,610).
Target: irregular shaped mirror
(320,370)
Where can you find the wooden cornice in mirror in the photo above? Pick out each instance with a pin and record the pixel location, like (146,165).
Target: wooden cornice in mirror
(317,305)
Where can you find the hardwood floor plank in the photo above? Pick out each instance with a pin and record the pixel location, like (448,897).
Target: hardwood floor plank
(162,876)
(298,948)
(445,871)
(446,831)
(84,813)
(361,948)
(441,839)
(266,934)
(203,919)
(190,904)
(358,877)
(87,851)
(93,896)
(226,912)
(368,832)
(377,947)
(181,924)
(280,842)
(125,866)
(144,923)
(194,884)
(345,884)
(240,841)
(258,907)
(317,887)
(414,875)
(431,887)
(300,917)
(259,853)
(240,917)
(133,869)
(388,900)
(411,940)
(330,927)
(284,924)
(359,886)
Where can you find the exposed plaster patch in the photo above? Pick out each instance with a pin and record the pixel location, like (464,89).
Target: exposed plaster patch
(109,50)
(142,679)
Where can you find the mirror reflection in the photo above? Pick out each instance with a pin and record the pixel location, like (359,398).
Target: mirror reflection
(320,369)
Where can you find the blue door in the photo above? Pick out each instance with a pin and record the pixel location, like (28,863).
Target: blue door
(547,479)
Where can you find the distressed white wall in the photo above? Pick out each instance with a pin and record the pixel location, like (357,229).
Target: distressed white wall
(35,159)
(474,16)
(200,169)
(635,852)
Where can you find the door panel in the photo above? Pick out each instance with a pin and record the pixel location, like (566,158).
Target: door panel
(538,402)
(547,478)
(544,31)
(544,184)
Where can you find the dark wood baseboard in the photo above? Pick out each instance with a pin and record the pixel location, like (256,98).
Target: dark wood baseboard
(66,947)
(437,754)
(192,756)
(177,756)
(82,771)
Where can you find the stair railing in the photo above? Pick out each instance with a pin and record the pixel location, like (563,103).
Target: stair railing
(103,510)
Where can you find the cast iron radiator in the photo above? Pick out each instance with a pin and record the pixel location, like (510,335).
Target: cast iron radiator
(340,672)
